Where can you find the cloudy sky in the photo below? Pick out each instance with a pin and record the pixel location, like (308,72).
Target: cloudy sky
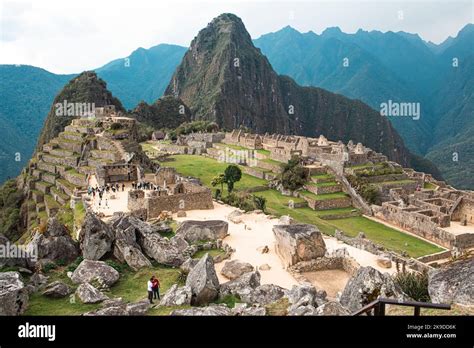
(69,36)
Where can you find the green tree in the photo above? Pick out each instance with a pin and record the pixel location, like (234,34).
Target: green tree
(232,174)
(294,175)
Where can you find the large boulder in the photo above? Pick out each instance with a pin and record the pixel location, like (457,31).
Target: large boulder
(203,281)
(89,294)
(301,310)
(306,294)
(130,254)
(95,238)
(89,271)
(57,289)
(209,230)
(213,310)
(241,286)
(453,284)
(117,307)
(54,244)
(298,242)
(332,308)
(171,252)
(188,265)
(235,268)
(263,294)
(244,309)
(367,285)
(177,296)
(13,294)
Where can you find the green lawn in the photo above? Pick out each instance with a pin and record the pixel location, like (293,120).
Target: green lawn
(429,186)
(211,252)
(277,204)
(206,169)
(325,196)
(274,198)
(386,236)
(131,287)
(400,182)
(323,176)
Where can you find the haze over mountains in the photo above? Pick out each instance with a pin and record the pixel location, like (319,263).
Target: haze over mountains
(382,66)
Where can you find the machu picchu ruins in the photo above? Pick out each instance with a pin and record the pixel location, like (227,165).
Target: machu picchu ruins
(235,192)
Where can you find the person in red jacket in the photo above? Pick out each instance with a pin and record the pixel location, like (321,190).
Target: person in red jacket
(156,288)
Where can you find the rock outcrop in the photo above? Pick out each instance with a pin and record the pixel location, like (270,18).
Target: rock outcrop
(89,271)
(241,286)
(332,308)
(298,242)
(195,231)
(203,281)
(89,294)
(163,250)
(54,244)
(235,268)
(56,289)
(366,285)
(95,238)
(176,296)
(453,284)
(213,310)
(13,294)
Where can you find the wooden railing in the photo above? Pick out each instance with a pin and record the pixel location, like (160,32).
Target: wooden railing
(378,306)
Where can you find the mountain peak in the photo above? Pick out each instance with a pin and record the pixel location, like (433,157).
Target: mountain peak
(332,31)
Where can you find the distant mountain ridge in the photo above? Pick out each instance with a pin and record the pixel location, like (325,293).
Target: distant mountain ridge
(27,92)
(224,78)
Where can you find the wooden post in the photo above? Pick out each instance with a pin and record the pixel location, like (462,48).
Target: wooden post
(417,311)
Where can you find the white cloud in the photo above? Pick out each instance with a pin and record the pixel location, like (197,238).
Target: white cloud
(72,36)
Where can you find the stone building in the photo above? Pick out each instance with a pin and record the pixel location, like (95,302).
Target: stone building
(174,193)
(444,216)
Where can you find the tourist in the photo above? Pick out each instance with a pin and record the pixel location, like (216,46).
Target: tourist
(123,187)
(156,288)
(106,203)
(150,289)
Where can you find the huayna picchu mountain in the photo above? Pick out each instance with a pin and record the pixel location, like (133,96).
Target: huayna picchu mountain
(223,77)
(85,88)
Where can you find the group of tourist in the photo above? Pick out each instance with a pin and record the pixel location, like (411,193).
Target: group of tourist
(145,186)
(102,190)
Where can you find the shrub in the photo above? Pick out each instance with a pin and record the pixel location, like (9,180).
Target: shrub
(260,202)
(49,267)
(73,265)
(414,284)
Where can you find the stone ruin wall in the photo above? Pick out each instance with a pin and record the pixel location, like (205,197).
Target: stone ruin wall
(199,199)
(419,224)
(464,210)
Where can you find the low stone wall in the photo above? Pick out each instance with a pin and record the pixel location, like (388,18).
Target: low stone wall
(71,146)
(326,204)
(254,171)
(344,262)
(274,167)
(47,167)
(173,203)
(388,177)
(435,257)
(321,190)
(172,148)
